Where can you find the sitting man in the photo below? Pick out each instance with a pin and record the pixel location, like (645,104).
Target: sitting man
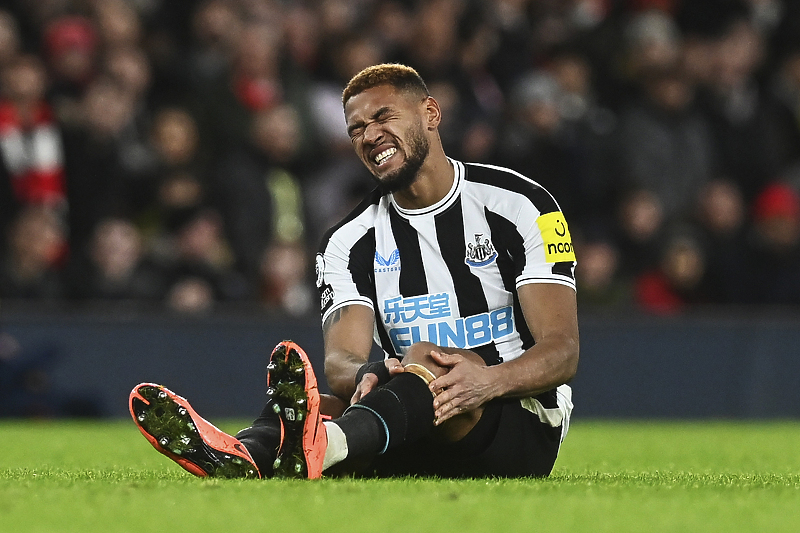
(463,274)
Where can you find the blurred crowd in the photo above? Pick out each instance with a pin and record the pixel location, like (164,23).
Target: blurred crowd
(189,154)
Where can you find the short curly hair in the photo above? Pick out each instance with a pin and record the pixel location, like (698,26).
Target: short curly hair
(399,76)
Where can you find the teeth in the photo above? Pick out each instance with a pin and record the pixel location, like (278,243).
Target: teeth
(383,156)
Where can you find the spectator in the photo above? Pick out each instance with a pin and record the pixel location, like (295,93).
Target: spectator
(651,43)
(191,295)
(676,283)
(303,37)
(129,67)
(31,266)
(535,141)
(117,268)
(31,152)
(118,24)
(743,125)
(390,22)
(786,99)
(591,128)
(434,44)
(640,116)
(201,267)
(722,223)
(216,30)
(254,83)
(70,46)
(10,44)
(258,189)
(514,31)
(284,279)
(600,285)
(110,166)
(774,254)
(331,189)
(640,232)
(665,145)
(180,185)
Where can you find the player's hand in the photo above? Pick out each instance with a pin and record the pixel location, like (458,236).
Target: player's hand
(369,381)
(466,386)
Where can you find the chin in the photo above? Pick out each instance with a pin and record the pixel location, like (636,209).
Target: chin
(406,171)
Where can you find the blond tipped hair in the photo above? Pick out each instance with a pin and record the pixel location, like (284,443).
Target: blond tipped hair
(401,77)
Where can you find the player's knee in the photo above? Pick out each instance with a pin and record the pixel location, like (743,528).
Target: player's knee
(420,351)
(420,354)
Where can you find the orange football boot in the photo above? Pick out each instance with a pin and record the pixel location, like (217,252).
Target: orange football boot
(176,430)
(292,387)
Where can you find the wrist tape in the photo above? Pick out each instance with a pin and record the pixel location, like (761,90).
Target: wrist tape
(376,367)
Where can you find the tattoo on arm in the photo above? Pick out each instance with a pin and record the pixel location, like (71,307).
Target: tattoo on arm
(334,317)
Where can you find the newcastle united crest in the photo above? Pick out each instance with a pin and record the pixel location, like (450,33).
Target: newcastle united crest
(481,252)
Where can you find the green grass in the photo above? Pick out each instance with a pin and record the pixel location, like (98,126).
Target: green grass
(611,476)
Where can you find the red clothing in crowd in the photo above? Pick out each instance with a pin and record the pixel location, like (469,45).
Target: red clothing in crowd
(33,156)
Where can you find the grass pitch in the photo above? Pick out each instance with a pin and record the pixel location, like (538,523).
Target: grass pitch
(611,476)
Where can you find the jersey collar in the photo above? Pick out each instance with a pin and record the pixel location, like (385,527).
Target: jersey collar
(448,200)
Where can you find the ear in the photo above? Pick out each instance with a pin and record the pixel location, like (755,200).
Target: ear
(433,113)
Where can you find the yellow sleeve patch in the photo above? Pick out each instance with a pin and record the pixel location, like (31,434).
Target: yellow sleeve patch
(557,241)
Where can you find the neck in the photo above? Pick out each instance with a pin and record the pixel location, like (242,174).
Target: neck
(433,182)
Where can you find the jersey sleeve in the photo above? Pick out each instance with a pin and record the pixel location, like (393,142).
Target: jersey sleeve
(344,270)
(549,253)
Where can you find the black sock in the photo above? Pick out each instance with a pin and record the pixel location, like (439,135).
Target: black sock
(364,433)
(262,439)
(396,413)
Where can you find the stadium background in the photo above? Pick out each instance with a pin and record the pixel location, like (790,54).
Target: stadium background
(168,168)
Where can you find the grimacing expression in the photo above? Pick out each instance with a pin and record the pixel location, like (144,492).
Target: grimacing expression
(388,135)
(403,177)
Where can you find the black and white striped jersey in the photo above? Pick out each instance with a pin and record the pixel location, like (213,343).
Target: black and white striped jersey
(448,273)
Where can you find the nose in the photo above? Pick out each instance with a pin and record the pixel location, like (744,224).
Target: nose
(373,133)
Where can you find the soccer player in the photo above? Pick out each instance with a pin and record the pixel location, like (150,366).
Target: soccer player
(462,273)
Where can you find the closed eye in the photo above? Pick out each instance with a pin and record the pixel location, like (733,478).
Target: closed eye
(355,130)
(381,115)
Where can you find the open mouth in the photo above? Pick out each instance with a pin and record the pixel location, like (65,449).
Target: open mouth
(384,156)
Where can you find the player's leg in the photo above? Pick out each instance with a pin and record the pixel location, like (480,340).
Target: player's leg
(263,437)
(513,438)
(295,401)
(522,438)
(506,437)
(175,429)
(311,442)
(457,427)
(398,417)
(395,415)
(291,426)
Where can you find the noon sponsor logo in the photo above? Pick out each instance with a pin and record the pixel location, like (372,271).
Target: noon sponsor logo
(557,240)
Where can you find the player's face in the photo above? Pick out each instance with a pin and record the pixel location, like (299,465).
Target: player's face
(387,132)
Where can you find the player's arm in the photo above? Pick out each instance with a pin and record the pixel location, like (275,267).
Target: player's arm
(550,311)
(347,332)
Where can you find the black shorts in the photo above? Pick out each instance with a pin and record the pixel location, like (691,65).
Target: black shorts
(508,441)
